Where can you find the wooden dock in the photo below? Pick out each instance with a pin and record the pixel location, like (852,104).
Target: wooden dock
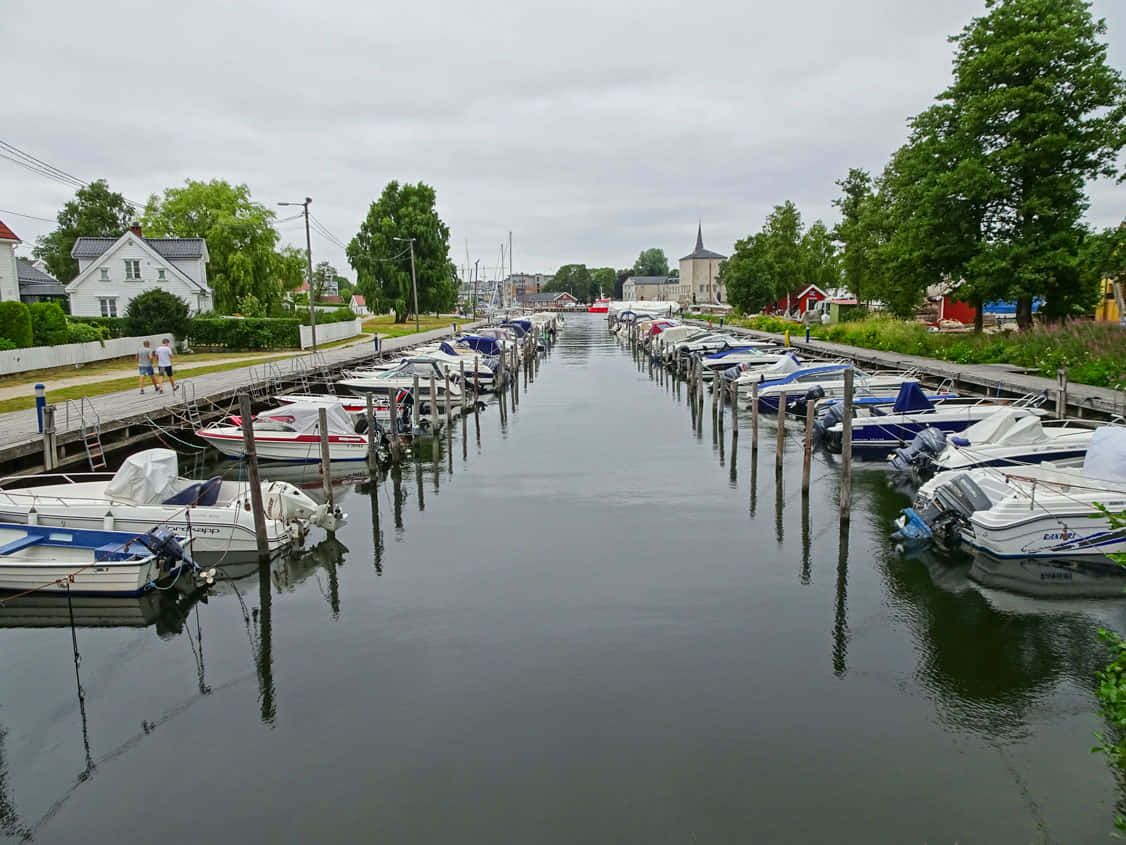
(127,418)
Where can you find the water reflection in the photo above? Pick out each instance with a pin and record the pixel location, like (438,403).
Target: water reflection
(840,603)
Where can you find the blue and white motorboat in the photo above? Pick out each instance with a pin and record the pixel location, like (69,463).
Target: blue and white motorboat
(814,382)
(1003,438)
(877,430)
(753,355)
(48,559)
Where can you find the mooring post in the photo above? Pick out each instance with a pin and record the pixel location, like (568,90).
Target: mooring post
(50,449)
(715,392)
(807,456)
(846,448)
(416,405)
(464,386)
(393,405)
(434,416)
(780,445)
(373,441)
(253,479)
(449,408)
(733,391)
(1061,393)
(326,455)
(754,417)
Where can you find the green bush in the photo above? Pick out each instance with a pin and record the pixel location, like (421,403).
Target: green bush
(250,306)
(6,344)
(156,311)
(110,326)
(337,315)
(15,324)
(48,324)
(246,333)
(85,333)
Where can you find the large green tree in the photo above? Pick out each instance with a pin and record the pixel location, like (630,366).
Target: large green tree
(853,231)
(95,212)
(651,262)
(239,232)
(602,280)
(575,279)
(1046,113)
(324,275)
(380,253)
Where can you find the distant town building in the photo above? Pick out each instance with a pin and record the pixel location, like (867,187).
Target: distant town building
(518,285)
(550,299)
(699,275)
(654,288)
(111,271)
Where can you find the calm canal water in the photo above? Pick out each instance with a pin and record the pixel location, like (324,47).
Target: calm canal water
(597,626)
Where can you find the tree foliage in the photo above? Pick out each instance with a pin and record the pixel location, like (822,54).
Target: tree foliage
(95,212)
(780,259)
(383,264)
(15,324)
(239,233)
(602,281)
(651,262)
(156,311)
(575,279)
(324,276)
(48,323)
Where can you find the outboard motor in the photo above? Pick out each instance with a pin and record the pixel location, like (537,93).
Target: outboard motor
(828,417)
(953,504)
(163,543)
(814,394)
(920,452)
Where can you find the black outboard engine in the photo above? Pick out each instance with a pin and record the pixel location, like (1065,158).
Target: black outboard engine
(814,394)
(828,417)
(163,543)
(920,452)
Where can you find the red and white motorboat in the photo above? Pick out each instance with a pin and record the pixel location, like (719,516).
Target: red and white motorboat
(292,433)
(599,306)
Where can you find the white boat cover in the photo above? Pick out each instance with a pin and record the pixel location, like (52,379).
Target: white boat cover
(1106,454)
(304,418)
(987,430)
(1025,431)
(145,477)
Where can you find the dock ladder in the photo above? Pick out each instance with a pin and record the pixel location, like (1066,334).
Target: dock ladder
(90,426)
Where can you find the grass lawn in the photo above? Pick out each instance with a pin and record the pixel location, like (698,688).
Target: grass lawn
(100,388)
(387,327)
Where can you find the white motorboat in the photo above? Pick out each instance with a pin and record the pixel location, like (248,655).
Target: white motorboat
(147,492)
(1046,510)
(1005,437)
(356,406)
(88,562)
(292,433)
(403,377)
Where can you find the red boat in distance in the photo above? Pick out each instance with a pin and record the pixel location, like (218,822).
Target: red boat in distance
(600,306)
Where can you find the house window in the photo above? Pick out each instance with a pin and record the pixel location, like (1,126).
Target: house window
(160,274)
(105,273)
(109,305)
(132,270)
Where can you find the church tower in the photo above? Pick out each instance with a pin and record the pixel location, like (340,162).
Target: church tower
(699,275)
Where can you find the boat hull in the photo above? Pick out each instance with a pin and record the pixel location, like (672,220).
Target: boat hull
(304,448)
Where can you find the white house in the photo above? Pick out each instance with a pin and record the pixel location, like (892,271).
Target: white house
(9,274)
(658,288)
(111,271)
(358,305)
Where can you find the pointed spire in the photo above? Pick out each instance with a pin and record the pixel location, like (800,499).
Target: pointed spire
(699,235)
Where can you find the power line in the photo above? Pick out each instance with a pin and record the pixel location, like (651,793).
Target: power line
(29,162)
(28,216)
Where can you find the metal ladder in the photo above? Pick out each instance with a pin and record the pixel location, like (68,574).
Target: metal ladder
(190,405)
(90,426)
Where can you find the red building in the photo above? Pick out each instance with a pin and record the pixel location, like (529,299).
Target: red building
(799,303)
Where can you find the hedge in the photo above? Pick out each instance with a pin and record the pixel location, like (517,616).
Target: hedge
(248,333)
(338,315)
(15,323)
(48,324)
(113,326)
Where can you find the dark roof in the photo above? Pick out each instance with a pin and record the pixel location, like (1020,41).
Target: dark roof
(34,282)
(699,251)
(651,280)
(547,296)
(170,248)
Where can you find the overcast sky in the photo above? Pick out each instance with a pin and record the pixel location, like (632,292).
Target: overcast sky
(590,130)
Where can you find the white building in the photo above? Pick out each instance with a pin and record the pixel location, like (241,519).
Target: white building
(9,274)
(699,275)
(111,271)
(651,288)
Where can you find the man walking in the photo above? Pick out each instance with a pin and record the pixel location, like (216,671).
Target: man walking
(144,367)
(164,362)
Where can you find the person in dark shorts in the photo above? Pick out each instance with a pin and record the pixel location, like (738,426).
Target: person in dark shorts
(164,364)
(144,367)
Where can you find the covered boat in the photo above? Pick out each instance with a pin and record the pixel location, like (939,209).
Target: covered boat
(292,433)
(148,492)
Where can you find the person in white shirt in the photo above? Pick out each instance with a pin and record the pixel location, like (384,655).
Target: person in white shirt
(164,364)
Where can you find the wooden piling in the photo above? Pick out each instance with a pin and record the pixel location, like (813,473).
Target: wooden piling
(807,456)
(253,479)
(373,440)
(396,443)
(416,404)
(733,390)
(846,448)
(449,404)
(50,446)
(464,386)
(434,416)
(326,456)
(1061,393)
(780,445)
(754,417)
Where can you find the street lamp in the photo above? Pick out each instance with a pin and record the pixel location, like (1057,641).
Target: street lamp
(309,258)
(414,280)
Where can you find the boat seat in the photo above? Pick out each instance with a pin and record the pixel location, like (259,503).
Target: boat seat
(22,543)
(114,551)
(204,493)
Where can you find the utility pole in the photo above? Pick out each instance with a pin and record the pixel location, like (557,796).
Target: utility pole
(414,281)
(309,259)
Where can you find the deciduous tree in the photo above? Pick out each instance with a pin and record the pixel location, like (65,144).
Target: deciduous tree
(651,262)
(95,212)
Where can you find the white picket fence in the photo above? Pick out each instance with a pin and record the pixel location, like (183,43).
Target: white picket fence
(330,332)
(75,354)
